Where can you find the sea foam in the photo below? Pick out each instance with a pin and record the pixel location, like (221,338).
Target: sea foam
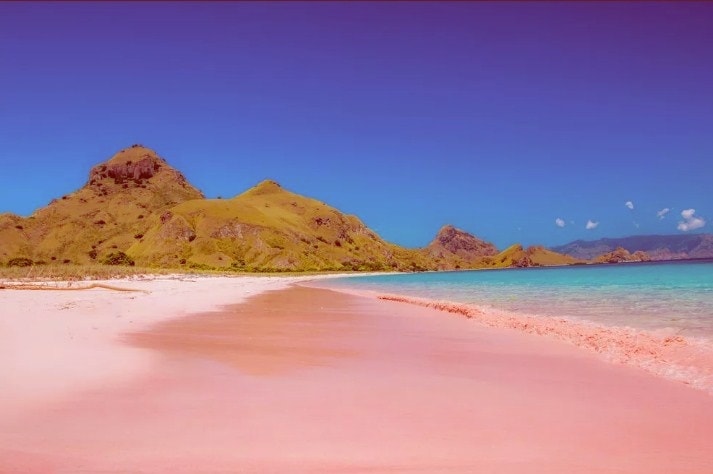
(658,317)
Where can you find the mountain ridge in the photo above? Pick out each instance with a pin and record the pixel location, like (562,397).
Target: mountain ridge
(135,207)
(656,246)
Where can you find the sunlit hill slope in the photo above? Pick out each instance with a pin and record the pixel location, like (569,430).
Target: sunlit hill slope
(137,207)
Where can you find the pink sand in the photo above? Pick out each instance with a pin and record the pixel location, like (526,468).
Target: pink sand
(685,360)
(56,342)
(309,380)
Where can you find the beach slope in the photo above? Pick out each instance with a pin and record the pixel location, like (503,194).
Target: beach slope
(311,380)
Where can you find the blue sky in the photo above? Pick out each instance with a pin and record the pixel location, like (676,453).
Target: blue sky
(496,117)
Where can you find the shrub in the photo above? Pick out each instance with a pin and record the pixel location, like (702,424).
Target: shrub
(415,267)
(118,258)
(372,266)
(19,262)
(238,264)
(200,266)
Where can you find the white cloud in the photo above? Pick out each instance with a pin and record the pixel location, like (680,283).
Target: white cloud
(662,213)
(559,222)
(591,224)
(690,222)
(629,204)
(688,213)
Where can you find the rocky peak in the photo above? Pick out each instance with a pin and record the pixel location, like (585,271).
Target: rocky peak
(136,163)
(460,242)
(137,167)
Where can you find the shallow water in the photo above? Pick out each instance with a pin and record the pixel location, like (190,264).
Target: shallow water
(656,316)
(672,296)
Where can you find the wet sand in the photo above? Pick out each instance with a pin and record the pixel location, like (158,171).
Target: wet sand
(310,380)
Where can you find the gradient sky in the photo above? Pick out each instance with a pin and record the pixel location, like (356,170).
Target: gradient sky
(496,117)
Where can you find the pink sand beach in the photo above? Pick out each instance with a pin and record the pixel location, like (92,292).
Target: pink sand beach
(220,375)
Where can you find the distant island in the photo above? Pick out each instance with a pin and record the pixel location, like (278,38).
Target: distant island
(135,209)
(656,247)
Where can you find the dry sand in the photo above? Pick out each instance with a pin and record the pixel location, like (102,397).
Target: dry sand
(57,342)
(310,380)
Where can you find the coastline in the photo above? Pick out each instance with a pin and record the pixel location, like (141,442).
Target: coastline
(683,359)
(358,385)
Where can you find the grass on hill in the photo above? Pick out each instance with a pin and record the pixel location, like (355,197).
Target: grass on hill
(76,272)
(110,272)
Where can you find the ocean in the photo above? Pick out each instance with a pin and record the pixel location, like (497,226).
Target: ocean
(656,315)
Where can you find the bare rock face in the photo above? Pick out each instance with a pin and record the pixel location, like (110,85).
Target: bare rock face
(134,167)
(143,169)
(461,243)
(524,261)
(121,171)
(620,255)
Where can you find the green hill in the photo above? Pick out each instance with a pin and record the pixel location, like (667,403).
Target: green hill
(136,207)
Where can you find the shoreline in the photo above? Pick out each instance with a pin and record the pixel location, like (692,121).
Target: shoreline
(312,380)
(683,359)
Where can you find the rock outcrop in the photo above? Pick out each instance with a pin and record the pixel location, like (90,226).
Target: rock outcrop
(145,168)
(461,243)
(140,167)
(454,248)
(621,255)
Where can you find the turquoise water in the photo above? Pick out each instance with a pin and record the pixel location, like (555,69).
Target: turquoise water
(670,297)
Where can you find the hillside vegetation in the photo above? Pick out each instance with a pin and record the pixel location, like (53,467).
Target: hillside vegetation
(135,209)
